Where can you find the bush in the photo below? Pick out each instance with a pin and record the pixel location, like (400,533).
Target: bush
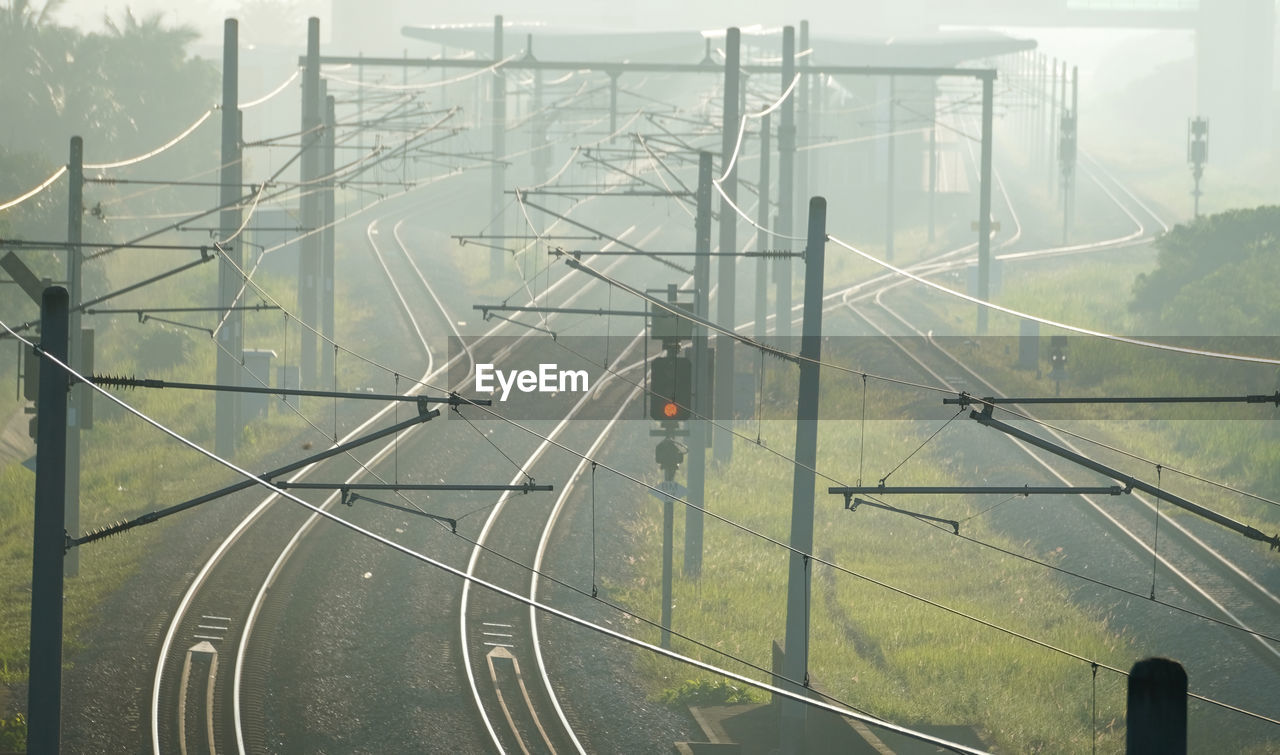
(13,734)
(708,692)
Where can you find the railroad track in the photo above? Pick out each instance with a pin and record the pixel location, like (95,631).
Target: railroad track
(1200,565)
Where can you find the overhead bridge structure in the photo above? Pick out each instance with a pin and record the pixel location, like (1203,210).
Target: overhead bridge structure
(1234,43)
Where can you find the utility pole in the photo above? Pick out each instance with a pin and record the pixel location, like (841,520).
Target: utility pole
(786,178)
(327,242)
(231,333)
(44,680)
(726,283)
(310,208)
(77,398)
(890,166)
(762,236)
(498,169)
(984,205)
(795,662)
(698,426)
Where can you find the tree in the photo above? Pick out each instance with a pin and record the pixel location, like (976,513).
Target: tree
(126,90)
(1214,276)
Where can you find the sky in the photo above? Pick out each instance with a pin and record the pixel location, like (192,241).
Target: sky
(1092,50)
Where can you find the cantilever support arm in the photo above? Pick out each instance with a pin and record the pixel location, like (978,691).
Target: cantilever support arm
(148,518)
(984,418)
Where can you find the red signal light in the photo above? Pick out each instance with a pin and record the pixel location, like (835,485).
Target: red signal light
(670,410)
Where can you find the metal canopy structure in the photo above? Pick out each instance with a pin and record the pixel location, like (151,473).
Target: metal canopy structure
(530,63)
(615,69)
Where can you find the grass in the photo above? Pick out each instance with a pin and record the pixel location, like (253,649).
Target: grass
(896,655)
(873,647)
(154,471)
(1231,443)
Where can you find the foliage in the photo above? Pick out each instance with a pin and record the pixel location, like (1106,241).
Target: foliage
(13,734)
(893,656)
(1216,274)
(125,90)
(706,691)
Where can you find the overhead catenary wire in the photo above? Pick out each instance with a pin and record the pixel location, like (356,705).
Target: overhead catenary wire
(817,559)
(139,158)
(426,85)
(999,308)
(865,376)
(1052,323)
(34,191)
(247,275)
(321,512)
(1095,581)
(845,570)
(1246,630)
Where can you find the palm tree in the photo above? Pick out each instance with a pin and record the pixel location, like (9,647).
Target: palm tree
(34,53)
(20,13)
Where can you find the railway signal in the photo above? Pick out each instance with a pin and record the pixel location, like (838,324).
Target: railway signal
(1058,361)
(1197,154)
(671,388)
(669,456)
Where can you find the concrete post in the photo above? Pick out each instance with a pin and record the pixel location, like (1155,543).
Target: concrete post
(786,178)
(310,208)
(231,334)
(726,283)
(699,427)
(796,659)
(498,170)
(763,240)
(77,398)
(44,680)
(984,205)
